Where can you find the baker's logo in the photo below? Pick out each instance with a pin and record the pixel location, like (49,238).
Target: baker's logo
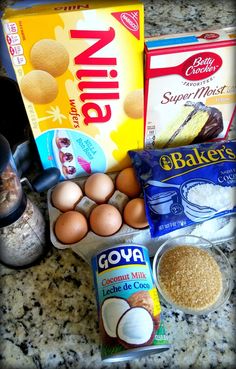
(194,158)
(201,66)
(166,163)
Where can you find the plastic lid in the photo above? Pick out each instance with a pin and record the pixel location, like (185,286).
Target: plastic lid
(5,153)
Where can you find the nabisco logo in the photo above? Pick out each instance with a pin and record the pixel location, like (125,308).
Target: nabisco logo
(129,21)
(200,66)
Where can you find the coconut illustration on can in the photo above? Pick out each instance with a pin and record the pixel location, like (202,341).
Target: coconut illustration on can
(131,330)
(129,311)
(144,299)
(112,310)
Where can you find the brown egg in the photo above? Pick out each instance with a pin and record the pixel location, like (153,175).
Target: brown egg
(105,220)
(127,182)
(99,187)
(71,227)
(134,213)
(65,195)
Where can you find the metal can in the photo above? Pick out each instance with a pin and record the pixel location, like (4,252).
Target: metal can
(129,310)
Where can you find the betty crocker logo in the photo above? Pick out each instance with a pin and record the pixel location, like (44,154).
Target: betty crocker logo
(200,66)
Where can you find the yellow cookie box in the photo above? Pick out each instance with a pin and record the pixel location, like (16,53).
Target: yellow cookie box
(80,71)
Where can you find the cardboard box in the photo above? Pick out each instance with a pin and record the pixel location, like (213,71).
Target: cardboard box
(80,71)
(190,91)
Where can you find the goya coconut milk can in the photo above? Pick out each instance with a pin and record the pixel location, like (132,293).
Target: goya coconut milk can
(129,311)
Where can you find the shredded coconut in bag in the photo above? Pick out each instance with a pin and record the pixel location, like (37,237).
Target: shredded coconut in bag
(187,185)
(213,196)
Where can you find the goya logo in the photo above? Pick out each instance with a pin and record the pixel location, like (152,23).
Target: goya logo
(122,255)
(201,66)
(195,157)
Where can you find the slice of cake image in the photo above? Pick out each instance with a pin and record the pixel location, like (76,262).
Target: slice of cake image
(195,123)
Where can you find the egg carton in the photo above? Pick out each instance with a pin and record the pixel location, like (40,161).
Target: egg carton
(92,243)
(215,230)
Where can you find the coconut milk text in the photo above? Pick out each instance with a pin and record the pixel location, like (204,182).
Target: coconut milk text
(129,310)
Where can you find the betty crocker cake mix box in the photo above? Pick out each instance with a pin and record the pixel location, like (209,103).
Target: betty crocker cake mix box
(190,90)
(79,67)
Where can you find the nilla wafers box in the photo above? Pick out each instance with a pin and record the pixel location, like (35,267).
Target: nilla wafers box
(79,67)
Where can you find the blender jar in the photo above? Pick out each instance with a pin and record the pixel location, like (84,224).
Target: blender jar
(12,199)
(22,226)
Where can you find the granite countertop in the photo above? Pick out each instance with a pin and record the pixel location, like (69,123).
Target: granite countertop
(48,312)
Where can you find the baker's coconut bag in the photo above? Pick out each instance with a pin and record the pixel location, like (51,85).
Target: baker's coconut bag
(187,185)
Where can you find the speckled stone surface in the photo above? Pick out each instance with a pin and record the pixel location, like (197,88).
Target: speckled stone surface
(166,16)
(48,312)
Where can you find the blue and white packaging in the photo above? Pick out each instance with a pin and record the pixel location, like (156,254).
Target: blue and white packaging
(187,185)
